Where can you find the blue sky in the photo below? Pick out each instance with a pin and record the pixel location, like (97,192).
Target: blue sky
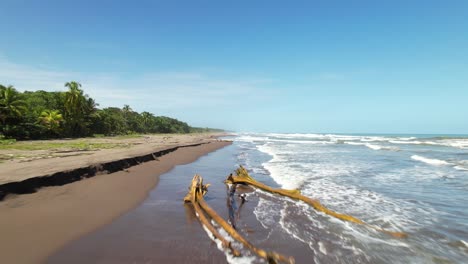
(267,66)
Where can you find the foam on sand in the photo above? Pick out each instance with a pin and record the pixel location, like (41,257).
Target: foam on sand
(231,259)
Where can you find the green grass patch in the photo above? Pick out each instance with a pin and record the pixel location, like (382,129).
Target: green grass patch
(7,141)
(77,145)
(117,136)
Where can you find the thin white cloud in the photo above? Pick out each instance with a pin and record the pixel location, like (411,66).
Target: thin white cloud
(155,90)
(31,78)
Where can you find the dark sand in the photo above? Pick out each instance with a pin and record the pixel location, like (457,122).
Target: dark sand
(163,229)
(33,226)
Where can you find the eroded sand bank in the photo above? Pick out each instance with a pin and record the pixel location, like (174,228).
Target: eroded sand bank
(32,226)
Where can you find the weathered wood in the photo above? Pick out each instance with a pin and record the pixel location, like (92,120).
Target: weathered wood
(243,177)
(231,204)
(272,257)
(191,197)
(195,196)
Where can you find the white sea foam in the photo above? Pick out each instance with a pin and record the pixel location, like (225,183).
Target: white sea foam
(435,162)
(314,234)
(406,138)
(265,212)
(457,143)
(325,137)
(314,142)
(295,140)
(370,206)
(351,181)
(461,143)
(322,248)
(461,168)
(319,136)
(416,142)
(405,142)
(464,243)
(355,143)
(283,176)
(250,139)
(378,147)
(314,180)
(280,173)
(244,259)
(454,143)
(372,146)
(291,175)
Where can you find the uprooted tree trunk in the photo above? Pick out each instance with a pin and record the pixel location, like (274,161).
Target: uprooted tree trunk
(232,205)
(198,187)
(243,177)
(195,196)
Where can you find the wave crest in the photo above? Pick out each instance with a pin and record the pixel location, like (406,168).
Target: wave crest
(435,162)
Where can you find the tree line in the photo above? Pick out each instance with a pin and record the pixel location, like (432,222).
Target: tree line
(42,115)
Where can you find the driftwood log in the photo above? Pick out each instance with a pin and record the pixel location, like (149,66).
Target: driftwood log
(198,187)
(195,196)
(232,205)
(243,177)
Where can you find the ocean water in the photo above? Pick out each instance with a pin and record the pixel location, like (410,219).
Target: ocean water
(417,184)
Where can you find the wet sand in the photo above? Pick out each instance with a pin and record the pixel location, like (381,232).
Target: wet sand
(163,229)
(33,226)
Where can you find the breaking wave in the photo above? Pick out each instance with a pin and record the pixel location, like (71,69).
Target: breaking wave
(381,186)
(368,141)
(435,162)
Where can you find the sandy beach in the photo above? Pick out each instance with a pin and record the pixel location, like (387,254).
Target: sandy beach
(35,225)
(163,229)
(29,159)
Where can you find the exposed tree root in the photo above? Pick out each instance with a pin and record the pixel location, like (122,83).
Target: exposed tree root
(232,205)
(195,196)
(243,177)
(191,197)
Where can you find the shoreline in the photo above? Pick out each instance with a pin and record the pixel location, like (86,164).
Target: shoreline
(46,220)
(33,184)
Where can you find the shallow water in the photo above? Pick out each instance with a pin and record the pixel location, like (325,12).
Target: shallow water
(413,184)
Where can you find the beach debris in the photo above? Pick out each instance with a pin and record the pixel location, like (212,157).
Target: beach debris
(232,205)
(243,177)
(195,196)
(243,196)
(196,188)
(233,209)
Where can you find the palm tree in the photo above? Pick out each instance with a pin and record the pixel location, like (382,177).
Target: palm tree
(78,111)
(147,117)
(90,104)
(74,98)
(11,104)
(127,109)
(51,119)
(147,120)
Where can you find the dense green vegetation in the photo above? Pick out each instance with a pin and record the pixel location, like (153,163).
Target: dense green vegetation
(41,115)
